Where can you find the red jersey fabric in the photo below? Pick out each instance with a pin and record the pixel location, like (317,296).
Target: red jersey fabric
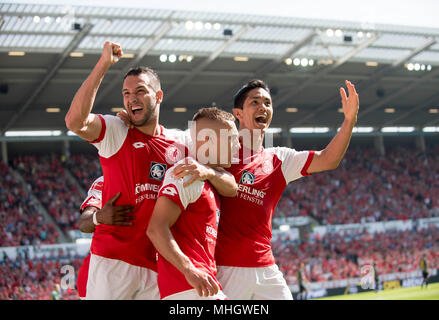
(195,231)
(94,199)
(81,280)
(245,232)
(94,195)
(134,164)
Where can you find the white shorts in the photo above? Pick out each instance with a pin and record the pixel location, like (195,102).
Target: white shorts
(110,279)
(193,295)
(264,283)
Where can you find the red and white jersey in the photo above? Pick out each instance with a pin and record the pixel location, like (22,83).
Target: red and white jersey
(94,199)
(82,278)
(134,164)
(94,195)
(195,230)
(244,235)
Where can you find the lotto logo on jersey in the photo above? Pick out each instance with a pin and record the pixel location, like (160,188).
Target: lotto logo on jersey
(169,190)
(138,145)
(247,178)
(157,171)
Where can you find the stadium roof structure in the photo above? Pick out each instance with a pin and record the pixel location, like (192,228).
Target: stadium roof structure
(202,58)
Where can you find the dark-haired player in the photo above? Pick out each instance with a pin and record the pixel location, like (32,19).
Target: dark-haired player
(134,161)
(246,266)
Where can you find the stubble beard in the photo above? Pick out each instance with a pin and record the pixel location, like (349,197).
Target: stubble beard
(148,117)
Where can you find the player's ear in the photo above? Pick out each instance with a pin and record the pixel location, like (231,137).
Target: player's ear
(237,112)
(159,97)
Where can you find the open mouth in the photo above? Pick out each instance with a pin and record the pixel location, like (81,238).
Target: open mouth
(136,109)
(261,119)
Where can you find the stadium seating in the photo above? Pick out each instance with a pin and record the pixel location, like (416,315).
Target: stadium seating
(21,221)
(36,279)
(337,256)
(85,168)
(46,176)
(367,187)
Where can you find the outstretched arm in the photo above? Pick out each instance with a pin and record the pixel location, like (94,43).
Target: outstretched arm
(330,157)
(165,214)
(79,118)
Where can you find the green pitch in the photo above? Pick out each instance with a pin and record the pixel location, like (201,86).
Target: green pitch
(413,293)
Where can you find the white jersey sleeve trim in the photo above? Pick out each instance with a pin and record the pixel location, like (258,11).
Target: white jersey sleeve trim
(115,134)
(94,191)
(188,194)
(94,195)
(180,136)
(292,162)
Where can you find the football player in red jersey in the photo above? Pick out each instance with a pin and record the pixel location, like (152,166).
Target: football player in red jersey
(110,214)
(183,226)
(134,162)
(246,266)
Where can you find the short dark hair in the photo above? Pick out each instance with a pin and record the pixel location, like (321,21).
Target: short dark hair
(241,95)
(153,76)
(213,113)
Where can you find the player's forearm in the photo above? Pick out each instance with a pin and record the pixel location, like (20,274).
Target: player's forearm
(165,244)
(78,115)
(330,157)
(224,183)
(337,147)
(86,224)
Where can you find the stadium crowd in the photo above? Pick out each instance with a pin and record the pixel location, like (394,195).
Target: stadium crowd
(337,256)
(367,187)
(46,174)
(86,168)
(21,223)
(36,279)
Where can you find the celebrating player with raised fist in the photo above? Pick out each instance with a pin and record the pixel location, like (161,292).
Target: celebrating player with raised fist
(123,259)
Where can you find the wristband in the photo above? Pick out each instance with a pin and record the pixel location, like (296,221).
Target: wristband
(95,220)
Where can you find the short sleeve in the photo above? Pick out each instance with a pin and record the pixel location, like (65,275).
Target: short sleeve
(94,195)
(295,164)
(113,134)
(180,136)
(183,196)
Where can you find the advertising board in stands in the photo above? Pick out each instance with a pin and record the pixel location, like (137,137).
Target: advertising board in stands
(53,250)
(352,286)
(374,227)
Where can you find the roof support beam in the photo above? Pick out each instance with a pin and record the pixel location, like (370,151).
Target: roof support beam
(420,106)
(432,122)
(371,81)
(295,23)
(295,48)
(199,68)
(42,84)
(271,66)
(290,94)
(399,92)
(162,30)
